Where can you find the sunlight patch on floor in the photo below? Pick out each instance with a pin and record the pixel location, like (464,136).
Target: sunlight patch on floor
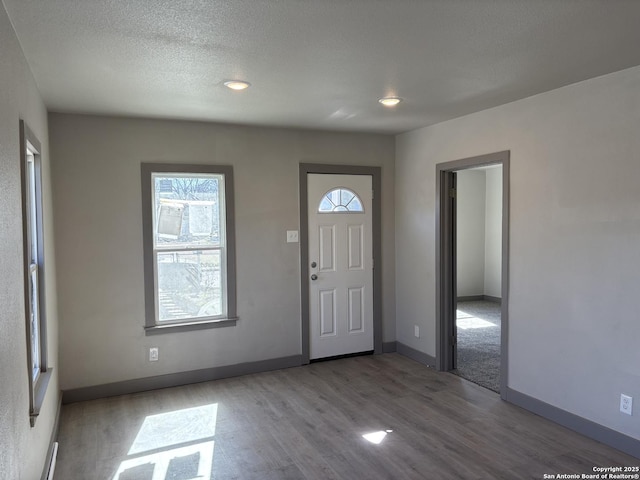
(174,428)
(190,462)
(466,321)
(179,446)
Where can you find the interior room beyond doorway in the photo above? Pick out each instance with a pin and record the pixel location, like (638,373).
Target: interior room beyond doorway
(478,256)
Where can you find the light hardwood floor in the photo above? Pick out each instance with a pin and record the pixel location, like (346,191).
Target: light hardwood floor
(308,423)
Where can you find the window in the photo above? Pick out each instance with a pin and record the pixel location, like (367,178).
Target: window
(189,248)
(340,200)
(33,255)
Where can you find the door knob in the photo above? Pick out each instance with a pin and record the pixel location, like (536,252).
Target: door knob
(314,277)
(314,264)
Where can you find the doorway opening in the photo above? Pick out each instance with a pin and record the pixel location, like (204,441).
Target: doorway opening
(472,262)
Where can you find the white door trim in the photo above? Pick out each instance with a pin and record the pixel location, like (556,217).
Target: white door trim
(376,180)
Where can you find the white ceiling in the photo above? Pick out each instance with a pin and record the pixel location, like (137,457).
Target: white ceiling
(317,63)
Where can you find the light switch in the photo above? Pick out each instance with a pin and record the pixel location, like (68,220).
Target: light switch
(292,236)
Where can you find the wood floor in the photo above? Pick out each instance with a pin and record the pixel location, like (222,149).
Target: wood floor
(308,423)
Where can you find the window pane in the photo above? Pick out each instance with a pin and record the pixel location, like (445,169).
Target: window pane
(326,205)
(188,210)
(32,206)
(34,321)
(335,196)
(345,197)
(189,285)
(355,205)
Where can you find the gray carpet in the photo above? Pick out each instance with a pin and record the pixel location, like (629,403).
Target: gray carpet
(479,343)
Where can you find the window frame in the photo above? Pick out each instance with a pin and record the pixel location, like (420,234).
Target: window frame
(152,326)
(33,265)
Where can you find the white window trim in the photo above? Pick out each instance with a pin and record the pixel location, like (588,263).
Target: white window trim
(152,325)
(34,265)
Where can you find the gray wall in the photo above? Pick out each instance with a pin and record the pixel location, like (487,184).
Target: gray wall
(96,181)
(22,448)
(574,233)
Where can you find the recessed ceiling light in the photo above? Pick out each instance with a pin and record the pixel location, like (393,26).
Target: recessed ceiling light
(236,84)
(390,101)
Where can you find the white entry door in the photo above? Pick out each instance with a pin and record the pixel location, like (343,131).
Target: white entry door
(340,264)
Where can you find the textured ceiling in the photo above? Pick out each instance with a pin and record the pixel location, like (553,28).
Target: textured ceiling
(317,63)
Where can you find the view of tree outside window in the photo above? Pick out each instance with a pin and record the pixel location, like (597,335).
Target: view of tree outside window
(189,246)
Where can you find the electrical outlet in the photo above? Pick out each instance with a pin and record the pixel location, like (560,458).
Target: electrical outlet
(626,404)
(153,354)
(416,331)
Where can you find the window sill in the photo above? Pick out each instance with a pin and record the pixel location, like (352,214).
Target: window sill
(190,326)
(38,395)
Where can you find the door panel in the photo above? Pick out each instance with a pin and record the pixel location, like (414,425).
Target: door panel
(340,265)
(356,309)
(356,247)
(327,252)
(327,312)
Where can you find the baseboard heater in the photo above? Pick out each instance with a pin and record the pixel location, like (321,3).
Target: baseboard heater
(52,463)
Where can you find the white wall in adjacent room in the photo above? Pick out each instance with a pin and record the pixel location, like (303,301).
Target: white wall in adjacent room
(470,232)
(493,233)
(479,231)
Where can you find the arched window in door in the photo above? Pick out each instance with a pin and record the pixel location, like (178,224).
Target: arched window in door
(340,200)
